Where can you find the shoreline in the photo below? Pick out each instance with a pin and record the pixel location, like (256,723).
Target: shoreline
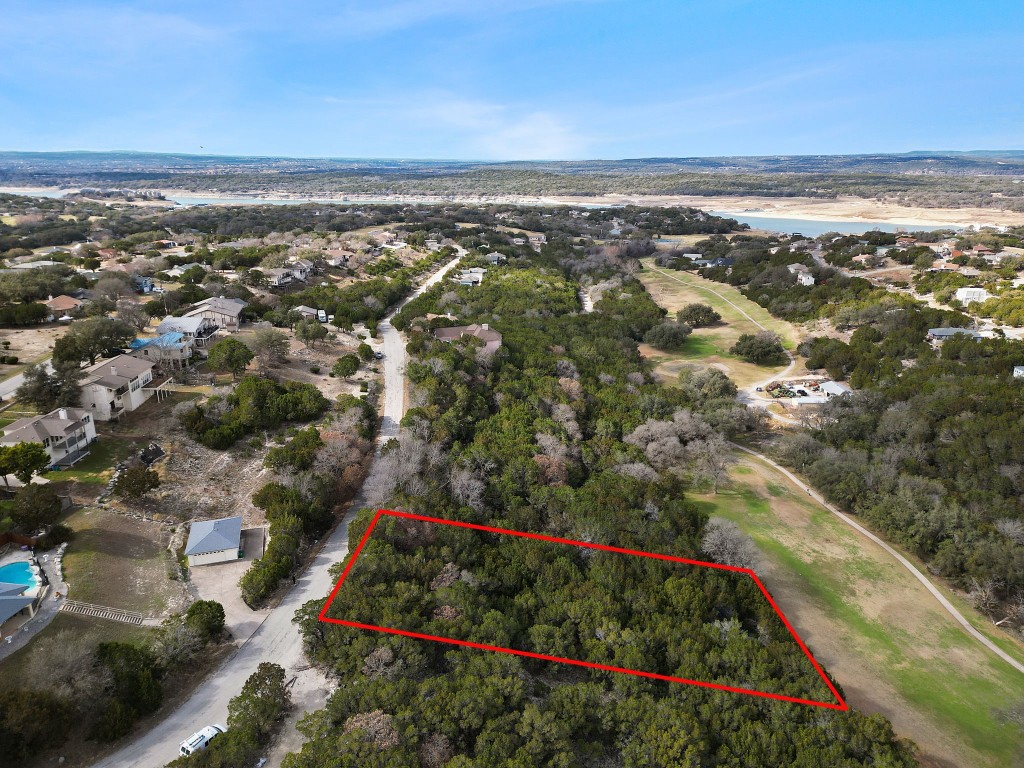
(842,209)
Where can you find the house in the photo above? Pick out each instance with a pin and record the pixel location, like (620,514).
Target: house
(279,276)
(38,264)
(65,434)
(518,241)
(432,245)
(1018,371)
(967,295)
(142,283)
(171,350)
(472,276)
(301,269)
(537,241)
(213,541)
(64,305)
(198,330)
(13,601)
(495,258)
(491,338)
(944,266)
(834,388)
(308,313)
(941,334)
(176,272)
(113,387)
(226,313)
(335,257)
(803,274)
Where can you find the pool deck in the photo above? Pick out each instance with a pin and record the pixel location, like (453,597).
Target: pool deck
(47,609)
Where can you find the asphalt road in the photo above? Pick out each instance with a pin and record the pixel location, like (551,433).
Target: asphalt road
(277,639)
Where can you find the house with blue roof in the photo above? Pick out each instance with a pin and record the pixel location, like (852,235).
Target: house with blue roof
(168,350)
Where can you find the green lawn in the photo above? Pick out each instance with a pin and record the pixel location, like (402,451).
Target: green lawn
(104,455)
(899,650)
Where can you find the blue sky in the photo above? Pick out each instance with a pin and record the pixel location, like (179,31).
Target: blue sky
(511,79)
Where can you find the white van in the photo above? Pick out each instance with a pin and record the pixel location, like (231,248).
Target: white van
(321,315)
(200,739)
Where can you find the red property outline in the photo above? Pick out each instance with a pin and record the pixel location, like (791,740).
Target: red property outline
(842,706)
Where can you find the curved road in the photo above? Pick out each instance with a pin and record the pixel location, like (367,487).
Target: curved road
(943,601)
(277,639)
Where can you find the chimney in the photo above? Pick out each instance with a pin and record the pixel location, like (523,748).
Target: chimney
(63,414)
(486,327)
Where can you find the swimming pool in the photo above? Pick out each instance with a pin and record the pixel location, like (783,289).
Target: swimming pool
(18,573)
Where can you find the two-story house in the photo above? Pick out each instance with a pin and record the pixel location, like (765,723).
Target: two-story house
(117,386)
(226,313)
(198,330)
(65,434)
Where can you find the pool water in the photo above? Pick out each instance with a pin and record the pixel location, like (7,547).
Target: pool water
(18,573)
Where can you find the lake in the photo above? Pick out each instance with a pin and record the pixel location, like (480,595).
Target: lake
(813,228)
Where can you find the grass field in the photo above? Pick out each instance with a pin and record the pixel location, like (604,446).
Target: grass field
(884,637)
(119,562)
(104,454)
(710,346)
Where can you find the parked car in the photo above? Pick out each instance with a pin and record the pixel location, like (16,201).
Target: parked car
(760,389)
(200,739)
(378,355)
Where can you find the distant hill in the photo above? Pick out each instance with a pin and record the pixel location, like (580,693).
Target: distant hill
(985,178)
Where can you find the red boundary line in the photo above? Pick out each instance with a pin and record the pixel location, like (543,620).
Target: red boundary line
(842,706)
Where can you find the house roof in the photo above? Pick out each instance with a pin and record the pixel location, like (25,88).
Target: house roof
(11,605)
(303,309)
(8,590)
(834,388)
(115,373)
(207,536)
(35,429)
(941,332)
(63,303)
(219,304)
(190,324)
(165,341)
(483,332)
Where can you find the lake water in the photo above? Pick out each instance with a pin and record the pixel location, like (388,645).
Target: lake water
(813,228)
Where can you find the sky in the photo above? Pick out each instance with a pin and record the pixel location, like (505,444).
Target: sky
(511,79)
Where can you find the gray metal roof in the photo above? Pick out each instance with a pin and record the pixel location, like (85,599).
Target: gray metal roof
(214,535)
(8,590)
(11,605)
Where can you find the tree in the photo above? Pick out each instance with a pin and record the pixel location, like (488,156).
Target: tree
(667,335)
(345,366)
(263,699)
(230,355)
(207,617)
(365,352)
(46,390)
(763,348)
(133,314)
(269,346)
(309,332)
(728,545)
(698,315)
(88,339)
(35,507)
(23,460)
(113,286)
(31,721)
(136,481)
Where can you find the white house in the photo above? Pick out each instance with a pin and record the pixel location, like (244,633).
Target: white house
(279,276)
(213,541)
(65,434)
(301,268)
(226,313)
(181,269)
(967,295)
(114,387)
(308,313)
(170,350)
(803,274)
(198,330)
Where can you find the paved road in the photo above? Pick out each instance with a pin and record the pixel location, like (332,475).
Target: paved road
(277,639)
(943,601)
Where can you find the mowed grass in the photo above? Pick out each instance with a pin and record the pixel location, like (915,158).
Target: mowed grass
(104,454)
(875,627)
(13,669)
(710,346)
(118,562)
